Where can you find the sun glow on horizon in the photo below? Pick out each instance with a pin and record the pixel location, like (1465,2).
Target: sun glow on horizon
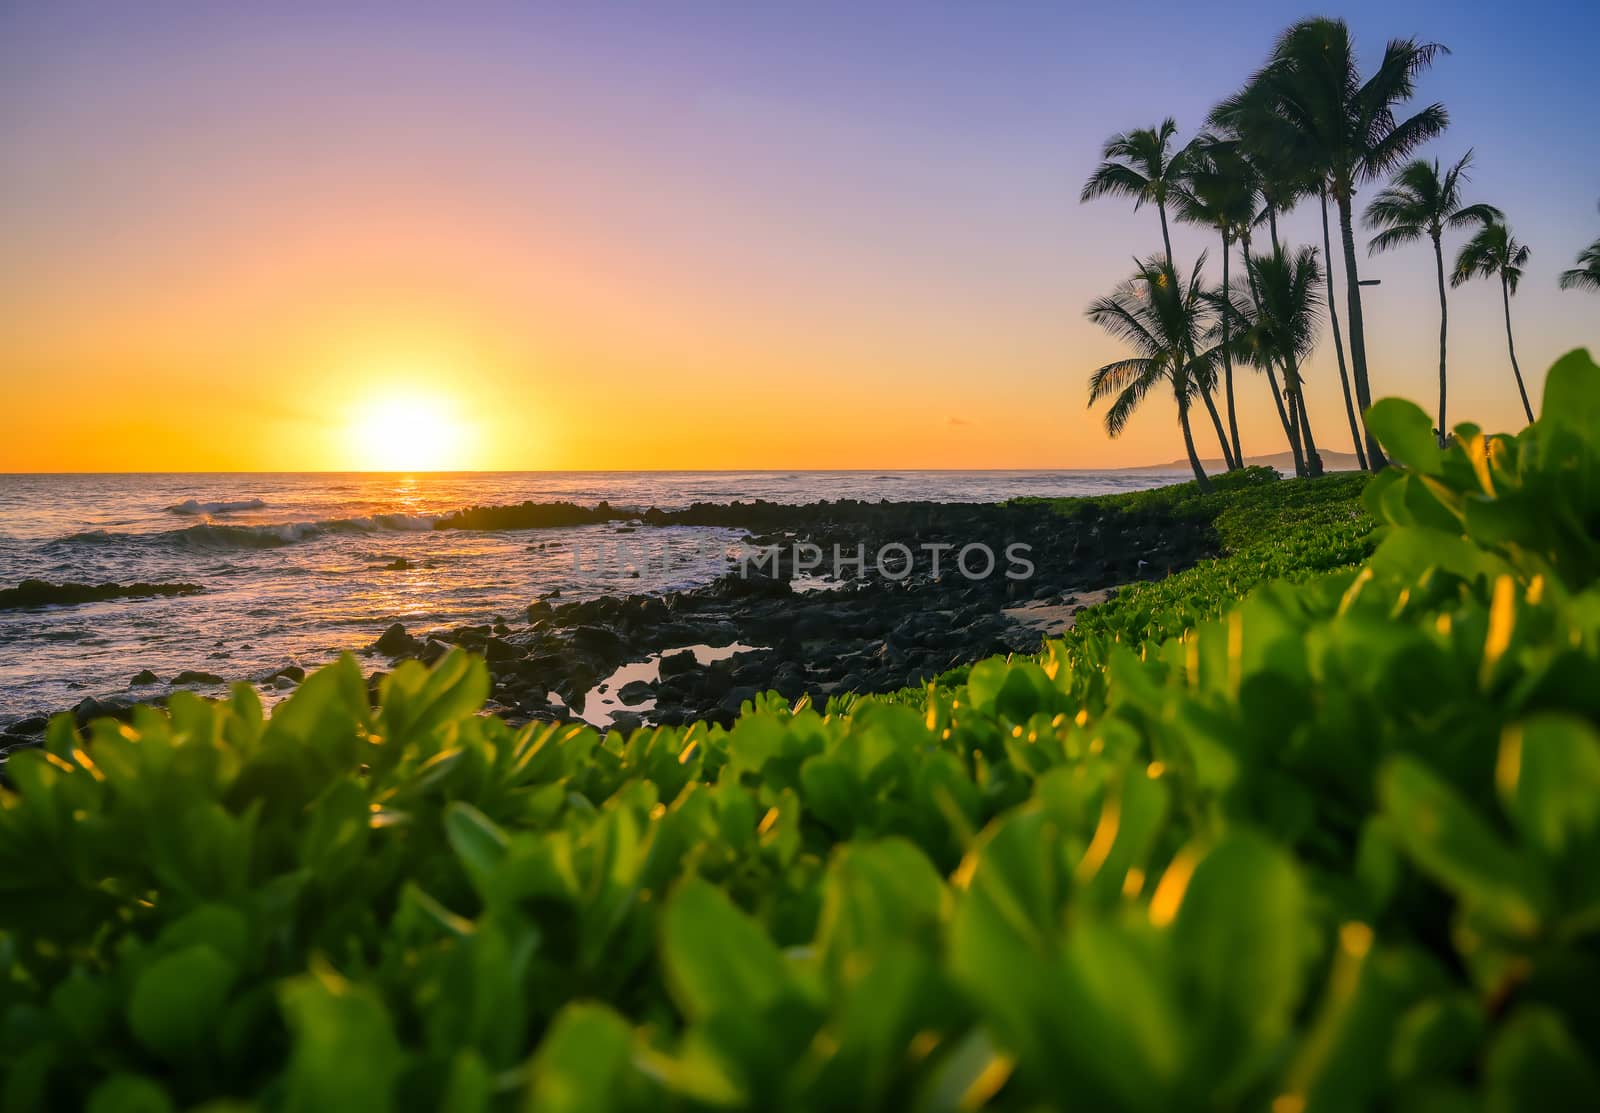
(407,433)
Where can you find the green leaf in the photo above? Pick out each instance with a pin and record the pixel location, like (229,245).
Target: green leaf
(1242,932)
(177,1000)
(478,843)
(344,1054)
(1406,432)
(584,1064)
(1572,395)
(129,1093)
(1536,1064)
(1437,1038)
(1014,690)
(1442,836)
(221,927)
(1549,778)
(877,896)
(715,958)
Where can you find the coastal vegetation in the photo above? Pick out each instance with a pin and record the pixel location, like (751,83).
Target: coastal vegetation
(1325,847)
(1308,125)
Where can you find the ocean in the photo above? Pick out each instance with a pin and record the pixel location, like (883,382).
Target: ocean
(297,568)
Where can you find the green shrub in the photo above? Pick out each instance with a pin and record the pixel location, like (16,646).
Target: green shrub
(1332,849)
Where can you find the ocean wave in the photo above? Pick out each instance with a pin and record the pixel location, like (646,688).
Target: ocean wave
(211,535)
(192,507)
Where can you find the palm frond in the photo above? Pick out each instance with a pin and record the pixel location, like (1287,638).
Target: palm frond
(1586,275)
(1114,377)
(1475,214)
(1393,142)
(1395,237)
(1114,179)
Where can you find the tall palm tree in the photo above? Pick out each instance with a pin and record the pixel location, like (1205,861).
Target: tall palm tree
(1284,159)
(1586,275)
(1141,164)
(1423,202)
(1161,318)
(1338,343)
(1351,132)
(1494,251)
(1218,192)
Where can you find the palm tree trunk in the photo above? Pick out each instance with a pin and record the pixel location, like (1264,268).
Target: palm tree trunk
(1444,325)
(1338,342)
(1222,436)
(1292,403)
(1227,357)
(1166,241)
(1291,372)
(1358,335)
(1511,346)
(1188,444)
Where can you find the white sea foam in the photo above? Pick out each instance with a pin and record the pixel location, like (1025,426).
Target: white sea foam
(195,506)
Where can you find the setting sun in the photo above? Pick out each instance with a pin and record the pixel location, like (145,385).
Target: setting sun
(407,433)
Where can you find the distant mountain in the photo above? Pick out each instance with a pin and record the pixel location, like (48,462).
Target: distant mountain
(1283,461)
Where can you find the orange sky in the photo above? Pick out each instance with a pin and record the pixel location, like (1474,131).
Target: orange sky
(235,245)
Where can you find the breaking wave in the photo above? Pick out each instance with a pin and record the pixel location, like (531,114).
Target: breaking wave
(192,507)
(212,535)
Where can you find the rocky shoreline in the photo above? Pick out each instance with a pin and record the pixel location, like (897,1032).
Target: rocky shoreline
(876,629)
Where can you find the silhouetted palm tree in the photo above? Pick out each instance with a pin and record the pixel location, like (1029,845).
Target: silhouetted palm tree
(1348,130)
(1586,275)
(1162,318)
(1277,326)
(1218,192)
(1423,202)
(1338,341)
(1285,418)
(1494,251)
(1288,303)
(1284,157)
(1142,165)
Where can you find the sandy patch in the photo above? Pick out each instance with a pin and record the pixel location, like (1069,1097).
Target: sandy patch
(1051,620)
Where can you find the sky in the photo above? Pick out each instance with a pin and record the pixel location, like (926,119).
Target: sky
(674,234)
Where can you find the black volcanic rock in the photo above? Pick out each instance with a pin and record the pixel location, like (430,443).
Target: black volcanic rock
(42,593)
(395,642)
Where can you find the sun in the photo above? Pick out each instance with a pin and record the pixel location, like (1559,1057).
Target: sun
(407,432)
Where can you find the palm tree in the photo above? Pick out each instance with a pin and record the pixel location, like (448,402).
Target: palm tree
(1291,434)
(1161,318)
(1141,164)
(1338,343)
(1350,132)
(1218,192)
(1281,155)
(1277,327)
(1586,275)
(1495,251)
(1288,303)
(1422,202)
